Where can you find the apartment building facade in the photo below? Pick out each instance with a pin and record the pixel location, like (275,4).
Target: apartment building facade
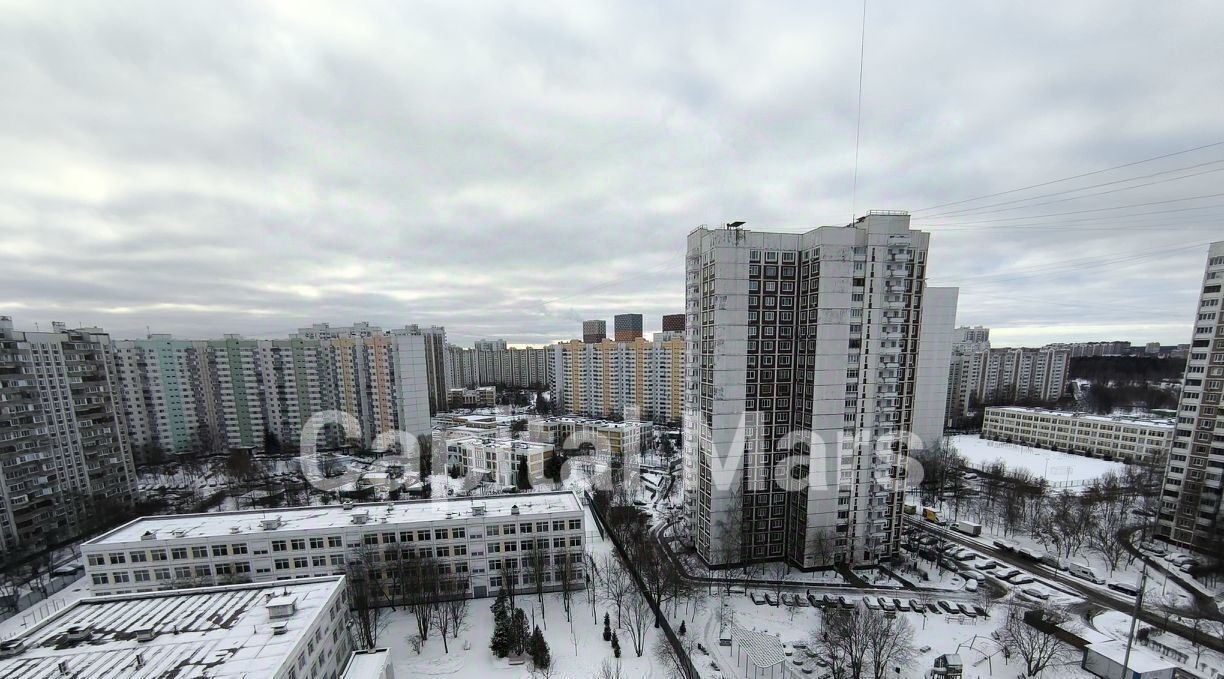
(484,541)
(978,377)
(211,395)
(1126,438)
(627,327)
(1191,516)
(635,379)
(594,331)
(491,363)
(64,453)
(496,459)
(816,332)
(673,323)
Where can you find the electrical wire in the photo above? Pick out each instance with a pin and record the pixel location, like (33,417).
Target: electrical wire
(1065,179)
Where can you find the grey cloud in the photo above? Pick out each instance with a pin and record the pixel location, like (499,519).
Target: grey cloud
(508,170)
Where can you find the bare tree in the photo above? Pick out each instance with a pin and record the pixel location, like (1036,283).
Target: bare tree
(563,574)
(610,670)
(844,640)
(456,606)
(537,567)
(820,546)
(10,587)
(1037,649)
(777,572)
(615,585)
(638,617)
(890,642)
(422,593)
(363,595)
(1102,535)
(673,663)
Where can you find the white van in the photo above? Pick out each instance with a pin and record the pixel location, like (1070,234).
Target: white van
(1084,571)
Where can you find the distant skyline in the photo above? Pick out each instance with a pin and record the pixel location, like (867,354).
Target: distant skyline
(511,170)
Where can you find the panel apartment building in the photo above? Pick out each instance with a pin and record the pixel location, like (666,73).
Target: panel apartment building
(211,395)
(1191,515)
(634,379)
(477,539)
(64,455)
(822,332)
(979,376)
(492,362)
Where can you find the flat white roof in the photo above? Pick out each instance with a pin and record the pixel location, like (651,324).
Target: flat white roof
(214,632)
(1141,660)
(220,524)
(367,664)
(1139,420)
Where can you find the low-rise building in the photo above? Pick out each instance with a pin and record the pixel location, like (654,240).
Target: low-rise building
(287,630)
(372,664)
(1129,438)
(470,538)
(605,436)
(497,459)
(479,397)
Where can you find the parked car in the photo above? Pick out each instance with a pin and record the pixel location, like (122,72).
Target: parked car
(871,603)
(973,576)
(967,610)
(771,599)
(887,604)
(787,599)
(1030,553)
(1022,579)
(1005,573)
(917,606)
(1035,593)
(802,601)
(1005,545)
(949,607)
(971,586)
(901,604)
(845,603)
(1128,588)
(66,570)
(987,565)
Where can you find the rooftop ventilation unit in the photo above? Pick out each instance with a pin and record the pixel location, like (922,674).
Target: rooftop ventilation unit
(145,634)
(279,628)
(283,606)
(11,647)
(234,530)
(78,633)
(178,532)
(514,510)
(346,505)
(272,523)
(360,517)
(149,535)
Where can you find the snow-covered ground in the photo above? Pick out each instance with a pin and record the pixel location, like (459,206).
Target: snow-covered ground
(1061,469)
(1201,661)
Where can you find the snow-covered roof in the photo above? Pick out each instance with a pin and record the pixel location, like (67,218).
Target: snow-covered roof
(1138,420)
(218,524)
(1140,659)
(215,632)
(367,664)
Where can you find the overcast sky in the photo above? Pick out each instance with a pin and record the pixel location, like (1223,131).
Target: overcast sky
(509,169)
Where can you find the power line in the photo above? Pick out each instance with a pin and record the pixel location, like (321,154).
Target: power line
(982,209)
(1098,219)
(858,120)
(1077,264)
(1103,209)
(1077,176)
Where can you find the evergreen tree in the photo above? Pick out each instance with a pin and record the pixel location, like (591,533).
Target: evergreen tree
(524,476)
(501,642)
(615,645)
(607,628)
(271,444)
(681,631)
(520,634)
(541,657)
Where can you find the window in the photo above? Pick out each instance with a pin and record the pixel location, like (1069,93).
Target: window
(117,557)
(281,564)
(334,541)
(220,550)
(279,545)
(297,544)
(138,557)
(178,552)
(101,579)
(199,552)
(158,554)
(441,534)
(239,548)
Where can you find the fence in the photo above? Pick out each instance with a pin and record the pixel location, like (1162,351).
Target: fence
(596,511)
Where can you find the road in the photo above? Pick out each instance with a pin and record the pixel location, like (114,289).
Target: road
(1080,588)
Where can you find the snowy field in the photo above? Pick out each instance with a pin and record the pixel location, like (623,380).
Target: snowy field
(1059,468)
